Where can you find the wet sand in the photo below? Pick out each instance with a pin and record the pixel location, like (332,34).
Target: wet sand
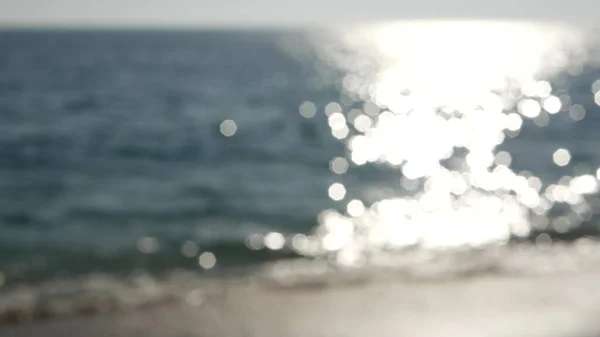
(565,305)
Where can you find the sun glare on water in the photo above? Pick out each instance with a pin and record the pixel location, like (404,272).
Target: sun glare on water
(439,98)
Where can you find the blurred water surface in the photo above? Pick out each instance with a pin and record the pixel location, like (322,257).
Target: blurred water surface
(156,151)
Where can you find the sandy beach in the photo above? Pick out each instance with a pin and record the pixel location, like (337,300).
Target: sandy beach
(566,305)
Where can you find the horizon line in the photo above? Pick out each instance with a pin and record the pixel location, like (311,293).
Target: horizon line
(249,25)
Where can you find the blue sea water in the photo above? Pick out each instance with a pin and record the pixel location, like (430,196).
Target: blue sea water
(112,156)
(112,136)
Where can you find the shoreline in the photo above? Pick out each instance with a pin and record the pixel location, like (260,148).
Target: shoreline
(554,305)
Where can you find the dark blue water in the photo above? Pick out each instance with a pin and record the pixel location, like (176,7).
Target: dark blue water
(110,137)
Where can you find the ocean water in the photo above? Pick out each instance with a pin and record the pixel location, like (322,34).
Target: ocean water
(110,137)
(130,158)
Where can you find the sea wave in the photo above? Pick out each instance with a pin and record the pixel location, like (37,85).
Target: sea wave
(102,293)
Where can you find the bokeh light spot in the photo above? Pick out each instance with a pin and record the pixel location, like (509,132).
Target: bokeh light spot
(552,104)
(274,241)
(529,108)
(228,128)
(597,98)
(338,165)
(577,112)
(307,109)
(189,249)
(255,242)
(561,157)
(513,122)
(355,208)
(503,158)
(595,87)
(332,108)
(207,260)
(340,133)
(337,191)
(362,123)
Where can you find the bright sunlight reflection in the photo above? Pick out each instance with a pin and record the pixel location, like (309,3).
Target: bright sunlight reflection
(440,97)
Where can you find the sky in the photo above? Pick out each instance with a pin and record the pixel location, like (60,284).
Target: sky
(183,13)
